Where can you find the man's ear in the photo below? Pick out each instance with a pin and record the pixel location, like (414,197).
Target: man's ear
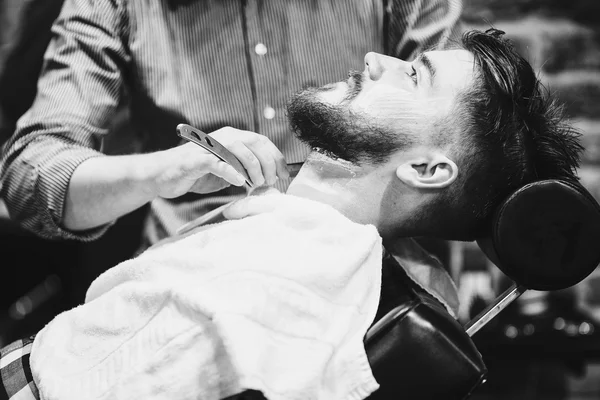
(435,171)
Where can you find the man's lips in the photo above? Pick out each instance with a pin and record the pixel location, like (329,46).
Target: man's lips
(350,82)
(330,86)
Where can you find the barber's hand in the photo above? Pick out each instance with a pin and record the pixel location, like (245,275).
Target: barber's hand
(249,205)
(190,168)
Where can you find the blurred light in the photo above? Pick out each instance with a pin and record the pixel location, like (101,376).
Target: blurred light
(35,298)
(528,329)
(559,324)
(21,308)
(586,328)
(511,332)
(534,307)
(572,329)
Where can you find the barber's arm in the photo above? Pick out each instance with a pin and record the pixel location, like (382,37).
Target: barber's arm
(55,180)
(78,93)
(416,26)
(105,188)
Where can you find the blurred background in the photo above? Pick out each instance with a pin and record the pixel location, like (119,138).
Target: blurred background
(545,346)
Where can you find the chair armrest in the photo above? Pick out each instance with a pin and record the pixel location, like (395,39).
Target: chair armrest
(420,352)
(416,349)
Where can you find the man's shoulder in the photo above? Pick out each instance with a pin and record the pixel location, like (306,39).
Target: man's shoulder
(426,271)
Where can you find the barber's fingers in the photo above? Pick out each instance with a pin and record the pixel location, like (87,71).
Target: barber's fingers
(253,205)
(252,161)
(191,162)
(260,157)
(219,176)
(280,163)
(271,159)
(178,170)
(225,171)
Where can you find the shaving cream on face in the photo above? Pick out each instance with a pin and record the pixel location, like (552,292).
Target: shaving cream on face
(331,169)
(324,173)
(323,158)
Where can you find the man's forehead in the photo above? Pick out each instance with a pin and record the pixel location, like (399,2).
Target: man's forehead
(452,55)
(453,67)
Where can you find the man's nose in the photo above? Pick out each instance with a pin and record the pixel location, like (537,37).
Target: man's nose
(373,66)
(376,64)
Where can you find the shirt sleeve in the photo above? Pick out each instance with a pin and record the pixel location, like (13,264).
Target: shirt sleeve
(416,26)
(78,93)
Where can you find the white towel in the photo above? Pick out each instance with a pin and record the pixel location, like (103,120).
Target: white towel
(277,302)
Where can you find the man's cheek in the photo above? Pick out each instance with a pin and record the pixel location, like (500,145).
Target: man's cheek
(371,99)
(333,94)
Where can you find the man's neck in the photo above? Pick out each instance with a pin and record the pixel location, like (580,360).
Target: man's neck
(340,184)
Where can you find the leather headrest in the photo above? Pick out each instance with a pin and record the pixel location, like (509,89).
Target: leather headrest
(546,235)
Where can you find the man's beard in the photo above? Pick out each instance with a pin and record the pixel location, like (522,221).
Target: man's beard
(339,132)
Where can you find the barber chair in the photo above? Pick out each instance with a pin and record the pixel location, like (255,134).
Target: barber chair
(544,237)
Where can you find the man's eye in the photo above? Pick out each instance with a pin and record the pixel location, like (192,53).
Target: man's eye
(413,75)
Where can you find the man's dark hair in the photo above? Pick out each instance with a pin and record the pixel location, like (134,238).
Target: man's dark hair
(512,133)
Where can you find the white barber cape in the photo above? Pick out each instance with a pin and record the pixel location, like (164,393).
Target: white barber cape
(277,302)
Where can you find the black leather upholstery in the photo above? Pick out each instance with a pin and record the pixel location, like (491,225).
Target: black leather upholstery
(416,349)
(545,235)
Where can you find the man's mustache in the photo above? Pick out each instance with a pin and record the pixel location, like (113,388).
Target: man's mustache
(355,80)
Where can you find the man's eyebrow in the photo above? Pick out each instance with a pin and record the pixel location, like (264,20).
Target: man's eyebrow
(426,61)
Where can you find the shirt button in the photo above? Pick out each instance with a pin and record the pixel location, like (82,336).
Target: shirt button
(260,49)
(269,112)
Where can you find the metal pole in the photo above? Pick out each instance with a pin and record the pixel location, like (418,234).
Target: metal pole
(510,295)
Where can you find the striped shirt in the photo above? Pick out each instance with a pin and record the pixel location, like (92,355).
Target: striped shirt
(207,63)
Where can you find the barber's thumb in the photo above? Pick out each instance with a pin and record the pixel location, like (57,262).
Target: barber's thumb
(251,205)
